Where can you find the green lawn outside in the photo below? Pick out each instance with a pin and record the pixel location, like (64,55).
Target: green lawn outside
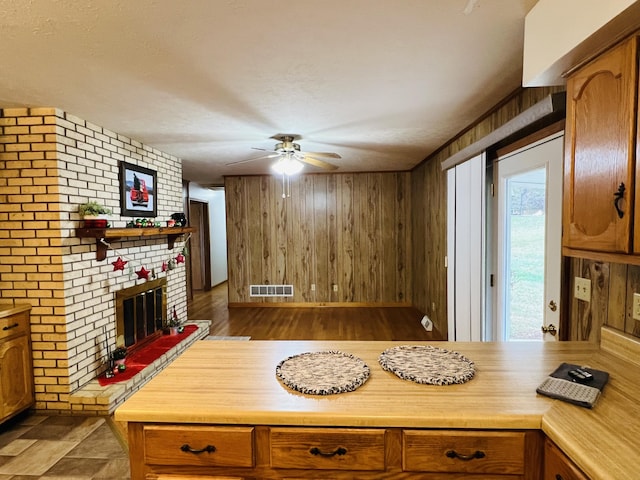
(527,277)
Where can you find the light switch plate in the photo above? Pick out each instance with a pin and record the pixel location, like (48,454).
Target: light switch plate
(582,289)
(636,306)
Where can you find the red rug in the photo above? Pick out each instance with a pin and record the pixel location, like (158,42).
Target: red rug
(147,355)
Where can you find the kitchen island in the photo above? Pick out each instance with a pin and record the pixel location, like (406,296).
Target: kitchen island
(219,411)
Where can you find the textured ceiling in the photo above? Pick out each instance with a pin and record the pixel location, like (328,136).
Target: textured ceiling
(383,83)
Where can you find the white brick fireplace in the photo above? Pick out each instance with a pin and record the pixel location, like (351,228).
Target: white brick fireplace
(50,162)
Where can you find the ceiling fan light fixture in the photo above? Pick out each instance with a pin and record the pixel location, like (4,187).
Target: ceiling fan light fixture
(287,146)
(288,166)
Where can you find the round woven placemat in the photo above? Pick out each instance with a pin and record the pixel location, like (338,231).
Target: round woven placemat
(428,365)
(323,373)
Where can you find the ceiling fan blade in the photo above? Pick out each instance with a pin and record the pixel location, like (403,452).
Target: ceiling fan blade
(315,162)
(323,154)
(273,155)
(261,149)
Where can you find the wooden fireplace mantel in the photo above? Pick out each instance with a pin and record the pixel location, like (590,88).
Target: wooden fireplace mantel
(114,234)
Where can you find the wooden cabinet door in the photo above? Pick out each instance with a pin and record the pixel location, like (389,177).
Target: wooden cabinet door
(600,152)
(16,379)
(557,466)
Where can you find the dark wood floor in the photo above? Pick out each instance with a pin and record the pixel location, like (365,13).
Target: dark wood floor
(309,323)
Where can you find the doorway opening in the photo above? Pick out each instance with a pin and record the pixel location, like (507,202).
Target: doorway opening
(504,243)
(528,247)
(200,246)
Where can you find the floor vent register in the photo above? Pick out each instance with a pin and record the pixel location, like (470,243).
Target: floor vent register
(271,290)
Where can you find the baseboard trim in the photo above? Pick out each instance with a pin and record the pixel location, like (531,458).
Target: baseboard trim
(319,304)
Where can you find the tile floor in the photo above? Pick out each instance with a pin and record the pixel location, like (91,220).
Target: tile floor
(38,447)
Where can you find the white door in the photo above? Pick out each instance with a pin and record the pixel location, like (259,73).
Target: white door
(529,197)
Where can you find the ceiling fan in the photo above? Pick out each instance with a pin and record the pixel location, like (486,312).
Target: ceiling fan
(291,158)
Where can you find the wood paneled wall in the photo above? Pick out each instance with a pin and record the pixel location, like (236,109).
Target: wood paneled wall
(349,230)
(612,289)
(381,237)
(429,206)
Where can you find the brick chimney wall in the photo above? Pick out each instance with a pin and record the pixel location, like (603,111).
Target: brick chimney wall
(50,163)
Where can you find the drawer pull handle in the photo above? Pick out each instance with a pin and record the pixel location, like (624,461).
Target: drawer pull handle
(619,195)
(187,448)
(337,451)
(9,327)
(459,456)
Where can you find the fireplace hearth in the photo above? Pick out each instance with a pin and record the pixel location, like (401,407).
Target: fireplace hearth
(99,400)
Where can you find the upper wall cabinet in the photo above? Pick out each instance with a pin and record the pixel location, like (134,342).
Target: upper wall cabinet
(600,142)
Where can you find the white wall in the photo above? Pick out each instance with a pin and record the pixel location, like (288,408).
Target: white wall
(217,229)
(559,34)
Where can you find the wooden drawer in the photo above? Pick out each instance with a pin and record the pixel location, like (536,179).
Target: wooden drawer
(463,452)
(328,448)
(16,324)
(198,446)
(557,466)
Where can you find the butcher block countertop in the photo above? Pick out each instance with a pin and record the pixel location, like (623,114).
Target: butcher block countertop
(603,441)
(234,383)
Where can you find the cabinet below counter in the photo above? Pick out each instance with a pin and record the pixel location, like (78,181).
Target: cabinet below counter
(219,411)
(209,451)
(16,373)
(224,397)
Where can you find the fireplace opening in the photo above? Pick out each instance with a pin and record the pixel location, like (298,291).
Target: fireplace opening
(141,313)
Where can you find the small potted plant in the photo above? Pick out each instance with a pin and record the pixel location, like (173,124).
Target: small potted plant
(93,214)
(174,324)
(119,354)
(174,327)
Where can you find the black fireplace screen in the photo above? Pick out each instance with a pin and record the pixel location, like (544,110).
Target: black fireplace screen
(140,312)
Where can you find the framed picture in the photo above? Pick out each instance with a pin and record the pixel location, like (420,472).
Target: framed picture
(137,191)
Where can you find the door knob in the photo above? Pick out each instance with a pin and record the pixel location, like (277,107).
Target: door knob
(551,329)
(553,306)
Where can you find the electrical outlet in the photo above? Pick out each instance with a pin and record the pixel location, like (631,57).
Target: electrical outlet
(636,306)
(313,287)
(582,289)
(335,287)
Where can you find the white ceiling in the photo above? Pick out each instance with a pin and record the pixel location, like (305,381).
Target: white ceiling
(383,83)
